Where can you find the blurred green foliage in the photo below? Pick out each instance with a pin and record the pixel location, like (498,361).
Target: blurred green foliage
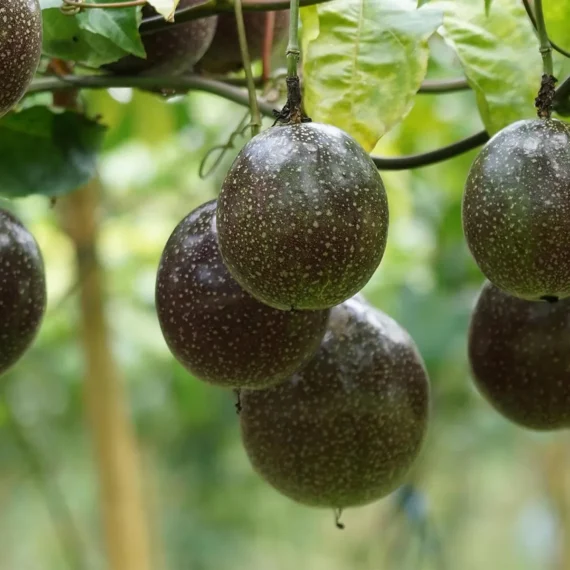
(477,499)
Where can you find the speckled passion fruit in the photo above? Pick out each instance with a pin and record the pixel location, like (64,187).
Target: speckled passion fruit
(170,51)
(345,430)
(516,209)
(519,356)
(20,48)
(22,290)
(224,55)
(302,217)
(213,327)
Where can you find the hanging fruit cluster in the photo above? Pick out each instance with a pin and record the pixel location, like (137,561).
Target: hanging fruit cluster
(516,221)
(255,291)
(258,291)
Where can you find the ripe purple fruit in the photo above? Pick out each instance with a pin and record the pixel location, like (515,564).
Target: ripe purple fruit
(170,51)
(22,290)
(20,48)
(516,209)
(302,217)
(213,327)
(224,56)
(520,360)
(345,430)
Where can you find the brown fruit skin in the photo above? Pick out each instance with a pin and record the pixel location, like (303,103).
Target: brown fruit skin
(224,55)
(345,430)
(213,327)
(302,217)
(171,51)
(22,290)
(519,353)
(516,209)
(20,49)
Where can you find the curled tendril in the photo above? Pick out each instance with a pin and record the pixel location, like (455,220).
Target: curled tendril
(70,9)
(222,149)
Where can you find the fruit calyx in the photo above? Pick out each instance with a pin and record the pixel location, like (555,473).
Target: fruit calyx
(292,112)
(545,97)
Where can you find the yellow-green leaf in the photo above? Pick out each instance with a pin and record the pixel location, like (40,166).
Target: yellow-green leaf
(499,53)
(364,61)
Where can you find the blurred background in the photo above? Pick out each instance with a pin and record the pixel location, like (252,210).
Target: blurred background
(484,494)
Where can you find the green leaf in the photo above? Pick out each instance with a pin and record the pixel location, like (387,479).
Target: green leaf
(120,25)
(487,7)
(363,63)
(93,37)
(42,152)
(63,38)
(500,56)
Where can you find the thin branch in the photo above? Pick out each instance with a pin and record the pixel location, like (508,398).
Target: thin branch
(429,86)
(431,157)
(213,7)
(531,17)
(444,85)
(179,84)
(186,83)
(64,524)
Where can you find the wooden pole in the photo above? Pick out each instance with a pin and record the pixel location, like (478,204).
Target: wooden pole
(124,515)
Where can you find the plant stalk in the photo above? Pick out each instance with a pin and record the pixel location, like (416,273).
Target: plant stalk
(293,50)
(545,48)
(242,36)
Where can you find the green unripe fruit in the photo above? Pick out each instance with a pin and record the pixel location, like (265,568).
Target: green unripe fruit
(170,51)
(214,328)
(22,290)
(516,209)
(520,358)
(302,217)
(20,49)
(345,430)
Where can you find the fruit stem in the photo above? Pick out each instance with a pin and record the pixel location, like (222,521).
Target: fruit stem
(545,48)
(254,107)
(554,46)
(293,50)
(268,38)
(292,112)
